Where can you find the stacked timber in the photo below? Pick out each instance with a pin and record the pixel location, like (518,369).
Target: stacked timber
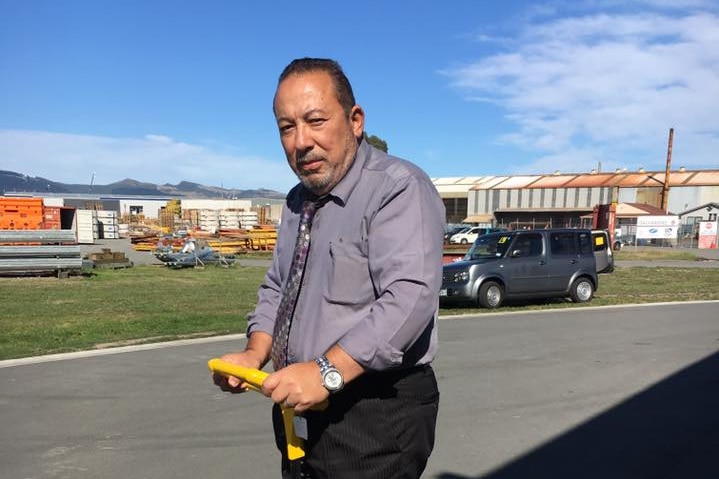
(262,238)
(35,251)
(224,241)
(109,259)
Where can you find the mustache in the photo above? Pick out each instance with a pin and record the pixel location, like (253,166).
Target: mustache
(308,157)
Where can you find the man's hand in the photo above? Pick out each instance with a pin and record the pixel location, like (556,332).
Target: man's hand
(254,356)
(232,384)
(298,386)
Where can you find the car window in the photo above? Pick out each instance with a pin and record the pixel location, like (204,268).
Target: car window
(562,244)
(488,246)
(600,241)
(529,245)
(585,243)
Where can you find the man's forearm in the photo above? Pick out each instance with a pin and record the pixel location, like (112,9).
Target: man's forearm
(259,346)
(346,364)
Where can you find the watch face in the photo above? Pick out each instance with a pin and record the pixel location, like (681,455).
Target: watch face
(333,380)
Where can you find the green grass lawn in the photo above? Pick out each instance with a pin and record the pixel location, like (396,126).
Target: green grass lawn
(630,253)
(144,303)
(153,303)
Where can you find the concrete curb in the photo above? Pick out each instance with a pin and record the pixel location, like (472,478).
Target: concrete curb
(213,339)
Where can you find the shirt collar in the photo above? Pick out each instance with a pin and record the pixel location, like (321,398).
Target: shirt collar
(343,190)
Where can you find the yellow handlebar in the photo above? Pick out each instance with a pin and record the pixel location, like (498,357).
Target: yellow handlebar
(254,379)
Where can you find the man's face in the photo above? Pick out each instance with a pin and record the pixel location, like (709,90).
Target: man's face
(319,138)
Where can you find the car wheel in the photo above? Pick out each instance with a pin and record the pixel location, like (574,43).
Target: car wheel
(582,290)
(491,295)
(463,241)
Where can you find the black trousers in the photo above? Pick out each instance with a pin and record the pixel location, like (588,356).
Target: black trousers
(380,426)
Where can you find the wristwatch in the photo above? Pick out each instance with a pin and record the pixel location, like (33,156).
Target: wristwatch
(332,378)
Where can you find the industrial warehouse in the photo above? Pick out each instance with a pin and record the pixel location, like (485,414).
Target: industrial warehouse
(613,201)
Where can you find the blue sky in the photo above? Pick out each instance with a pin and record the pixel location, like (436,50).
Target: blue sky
(164,91)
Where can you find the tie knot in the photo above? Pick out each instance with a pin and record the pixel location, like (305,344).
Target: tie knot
(312,204)
(309,207)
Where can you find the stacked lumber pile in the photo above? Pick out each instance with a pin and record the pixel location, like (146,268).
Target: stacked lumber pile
(109,259)
(224,241)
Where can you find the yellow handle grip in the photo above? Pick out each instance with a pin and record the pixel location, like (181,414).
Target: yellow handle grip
(253,377)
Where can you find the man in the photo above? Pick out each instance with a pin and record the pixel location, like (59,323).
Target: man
(363,330)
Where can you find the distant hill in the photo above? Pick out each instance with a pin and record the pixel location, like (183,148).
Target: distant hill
(11,181)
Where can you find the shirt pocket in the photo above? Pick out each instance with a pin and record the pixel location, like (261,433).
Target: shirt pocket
(349,281)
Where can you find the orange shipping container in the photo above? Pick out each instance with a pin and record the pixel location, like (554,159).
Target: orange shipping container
(51,218)
(21,213)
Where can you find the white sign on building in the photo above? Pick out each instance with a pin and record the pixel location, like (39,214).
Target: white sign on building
(657,227)
(708,234)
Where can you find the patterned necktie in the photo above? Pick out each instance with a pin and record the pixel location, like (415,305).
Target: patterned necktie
(292,287)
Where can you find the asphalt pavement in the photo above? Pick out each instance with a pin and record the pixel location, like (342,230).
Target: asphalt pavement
(611,392)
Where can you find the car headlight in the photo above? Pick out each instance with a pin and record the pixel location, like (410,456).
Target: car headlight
(460,276)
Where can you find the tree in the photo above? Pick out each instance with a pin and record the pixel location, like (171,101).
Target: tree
(376,141)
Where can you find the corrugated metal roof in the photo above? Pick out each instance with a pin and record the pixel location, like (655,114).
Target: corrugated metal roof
(514,182)
(456,180)
(590,181)
(633,180)
(677,178)
(622,179)
(553,181)
(638,209)
(703,178)
(491,182)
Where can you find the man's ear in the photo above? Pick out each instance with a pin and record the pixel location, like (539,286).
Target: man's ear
(357,120)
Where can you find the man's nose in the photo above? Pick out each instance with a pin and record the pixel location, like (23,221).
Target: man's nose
(303,137)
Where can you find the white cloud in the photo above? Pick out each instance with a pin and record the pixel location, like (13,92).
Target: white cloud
(155,158)
(607,87)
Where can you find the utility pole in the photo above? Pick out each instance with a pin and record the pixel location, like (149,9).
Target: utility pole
(665,185)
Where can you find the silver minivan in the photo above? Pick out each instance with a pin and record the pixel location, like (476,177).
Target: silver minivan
(523,264)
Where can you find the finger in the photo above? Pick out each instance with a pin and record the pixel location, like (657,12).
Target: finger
(224,383)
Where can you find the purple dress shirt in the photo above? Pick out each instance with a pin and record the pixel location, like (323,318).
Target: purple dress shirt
(374,269)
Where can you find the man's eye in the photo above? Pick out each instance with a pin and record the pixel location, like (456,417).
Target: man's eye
(286,128)
(316,121)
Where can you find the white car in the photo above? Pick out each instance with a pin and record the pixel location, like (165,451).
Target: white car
(470,235)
